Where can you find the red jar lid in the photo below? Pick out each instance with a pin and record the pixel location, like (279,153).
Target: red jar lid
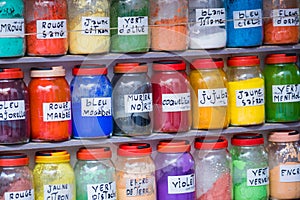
(56,71)
(245,61)
(173,146)
(122,68)
(207,63)
(280,58)
(247,139)
(210,142)
(284,136)
(169,65)
(94,153)
(134,149)
(89,69)
(11,73)
(13,160)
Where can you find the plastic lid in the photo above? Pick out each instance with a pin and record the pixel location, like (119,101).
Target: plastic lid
(47,71)
(134,149)
(207,63)
(247,139)
(89,69)
(281,58)
(173,146)
(94,153)
(169,65)
(11,73)
(211,142)
(52,156)
(13,160)
(284,136)
(130,68)
(246,61)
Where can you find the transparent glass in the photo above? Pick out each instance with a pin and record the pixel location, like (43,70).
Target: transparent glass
(243,73)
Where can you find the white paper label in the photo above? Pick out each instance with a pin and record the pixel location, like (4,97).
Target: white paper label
(139,186)
(210,17)
(138,103)
(20,195)
(51,29)
(181,184)
(12,27)
(95,107)
(12,110)
(102,191)
(133,25)
(286,17)
(95,25)
(258,176)
(250,97)
(57,111)
(212,97)
(58,192)
(176,102)
(289,173)
(286,93)
(247,18)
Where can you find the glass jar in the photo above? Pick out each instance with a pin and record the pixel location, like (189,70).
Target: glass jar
(207,24)
(282,82)
(129,26)
(171,97)
(175,171)
(250,170)
(46,27)
(95,174)
(14,107)
(135,172)
(50,104)
(281,21)
(15,177)
(88,26)
(244,24)
(132,100)
(209,97)
(91,93)
(53,175)
(12,40)
(212,164)
(169,30)
(245,91)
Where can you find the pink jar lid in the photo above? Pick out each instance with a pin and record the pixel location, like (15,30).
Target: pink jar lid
(284,136)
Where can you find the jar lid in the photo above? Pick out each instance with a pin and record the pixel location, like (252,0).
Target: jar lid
(245,61)
(247,139)
(94,153)
(284,136)
(47,71)
(173,146)
(211,142)
(281,58)
(11,73)
(207,63)
(89,69)
(13,160)
(169,65)
(52,156)
(134,149)
(121,68)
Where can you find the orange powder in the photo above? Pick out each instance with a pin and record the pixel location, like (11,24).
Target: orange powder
(280,34)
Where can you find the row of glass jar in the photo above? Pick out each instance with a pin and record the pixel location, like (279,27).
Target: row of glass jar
(88,27)
(247,173)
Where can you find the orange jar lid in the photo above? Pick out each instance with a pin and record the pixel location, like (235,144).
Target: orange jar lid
(13,160)
(284,136)
(52,156)
(169,65)
(207,63)
(244,61)
(210,142)
(94,153)
(247,139)
(11,73)
(89,69)
(134,149)
(47,71)
(173,146)
(122,68)
(280,58)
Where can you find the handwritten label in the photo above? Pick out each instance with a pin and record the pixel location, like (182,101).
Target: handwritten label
(258,176)
(289,173)
(138,103)
(250,97)
(286,93)
(12,110)
(286,17)
(92,107)
(102,191)
(12,27)
(139,186)
(20,195)
(57,111)
(210,17)
(212,97)
(95,25)
(247,18)
(181,184)
(176,102)
(58,192)
(133,25)
(51,29)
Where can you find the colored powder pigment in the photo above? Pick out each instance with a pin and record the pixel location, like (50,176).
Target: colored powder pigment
(280,35)
(20,187)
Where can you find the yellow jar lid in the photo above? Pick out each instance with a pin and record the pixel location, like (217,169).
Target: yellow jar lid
(52,156)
